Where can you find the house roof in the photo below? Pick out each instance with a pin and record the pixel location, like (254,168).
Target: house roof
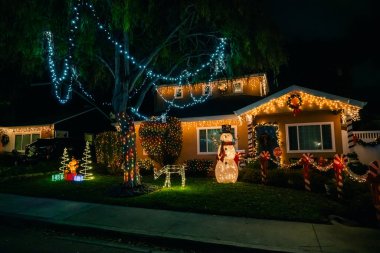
(41,108)
(224,105)
(295,88)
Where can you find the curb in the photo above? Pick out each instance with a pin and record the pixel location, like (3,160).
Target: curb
(169,241)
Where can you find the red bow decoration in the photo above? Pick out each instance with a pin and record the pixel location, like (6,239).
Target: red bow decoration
(265,155)
(339,161)
(307,159)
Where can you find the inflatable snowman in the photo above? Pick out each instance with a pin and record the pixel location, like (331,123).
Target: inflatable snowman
(226,170)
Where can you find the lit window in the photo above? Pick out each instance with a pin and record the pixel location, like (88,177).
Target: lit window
(206,90)
(310,137)
(209,137)
(21,140)
(178,92)
(238,87)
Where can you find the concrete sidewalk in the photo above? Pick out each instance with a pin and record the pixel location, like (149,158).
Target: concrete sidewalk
(244,233)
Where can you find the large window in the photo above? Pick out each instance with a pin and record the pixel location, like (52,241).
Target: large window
(21,140)
(310,137)
(209,137)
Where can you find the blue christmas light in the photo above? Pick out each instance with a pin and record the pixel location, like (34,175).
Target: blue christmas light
(215,60)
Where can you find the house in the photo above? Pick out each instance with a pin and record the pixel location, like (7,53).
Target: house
(45,118)
(296,119)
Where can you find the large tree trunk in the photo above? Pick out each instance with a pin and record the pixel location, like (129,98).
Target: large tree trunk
(128,135)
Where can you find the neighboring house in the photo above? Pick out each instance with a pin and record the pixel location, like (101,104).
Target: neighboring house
(84,124)
(296,119)
(39,115)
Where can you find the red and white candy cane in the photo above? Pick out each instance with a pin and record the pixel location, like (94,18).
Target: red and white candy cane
(374,179)
(339,163)
(264,157)
(306,161)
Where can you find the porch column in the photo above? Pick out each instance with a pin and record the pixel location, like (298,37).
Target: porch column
(251,135)
(350,134)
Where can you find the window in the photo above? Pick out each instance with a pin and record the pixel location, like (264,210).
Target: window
(310,137)
(21,140)
(178,92)
(238,87)
(208,139)
(206,90)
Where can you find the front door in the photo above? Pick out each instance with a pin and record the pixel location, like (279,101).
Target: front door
(266,138)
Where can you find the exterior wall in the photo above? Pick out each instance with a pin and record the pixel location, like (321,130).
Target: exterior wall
(190,145)
(304,117)
(45,131)
(252,85)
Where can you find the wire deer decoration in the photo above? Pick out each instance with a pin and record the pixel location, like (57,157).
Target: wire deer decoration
(171,169)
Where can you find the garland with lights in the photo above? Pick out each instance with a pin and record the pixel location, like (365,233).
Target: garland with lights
(371,143)
(295,102)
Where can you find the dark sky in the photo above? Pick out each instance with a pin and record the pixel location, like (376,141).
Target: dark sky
(331,45)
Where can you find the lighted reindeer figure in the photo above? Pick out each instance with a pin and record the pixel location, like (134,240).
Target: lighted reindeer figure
(171,169)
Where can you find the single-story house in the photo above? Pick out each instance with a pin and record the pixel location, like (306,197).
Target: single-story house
(296,119)
(44,117)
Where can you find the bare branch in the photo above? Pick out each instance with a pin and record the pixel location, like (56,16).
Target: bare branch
(106,64)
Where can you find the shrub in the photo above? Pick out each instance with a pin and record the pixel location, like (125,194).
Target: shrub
(199,167)
(146,166)
(108,150)
(162,140)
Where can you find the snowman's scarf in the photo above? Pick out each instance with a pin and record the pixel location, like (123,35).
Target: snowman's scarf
(222,153)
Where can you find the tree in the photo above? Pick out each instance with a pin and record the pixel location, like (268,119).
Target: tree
(164,36)
(87,163)
(64,161)
(162,140)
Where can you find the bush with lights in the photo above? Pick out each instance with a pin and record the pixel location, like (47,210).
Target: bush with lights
(108,149)
(146,166)
(199,167)
(162,140)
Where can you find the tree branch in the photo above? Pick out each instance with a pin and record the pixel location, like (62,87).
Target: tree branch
(106,65)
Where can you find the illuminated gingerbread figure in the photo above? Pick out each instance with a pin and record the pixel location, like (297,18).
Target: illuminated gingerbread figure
(73,165)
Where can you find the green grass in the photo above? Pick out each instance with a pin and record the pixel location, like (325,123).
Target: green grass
(203,195)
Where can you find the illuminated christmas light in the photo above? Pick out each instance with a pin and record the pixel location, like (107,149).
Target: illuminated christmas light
(63,93)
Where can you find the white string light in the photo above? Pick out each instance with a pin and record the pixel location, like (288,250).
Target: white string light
(216,58)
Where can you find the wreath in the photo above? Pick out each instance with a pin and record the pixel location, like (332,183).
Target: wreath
(294,103)
(222,87)
(4,139)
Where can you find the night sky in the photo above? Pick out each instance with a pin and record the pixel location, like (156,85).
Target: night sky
(331,46)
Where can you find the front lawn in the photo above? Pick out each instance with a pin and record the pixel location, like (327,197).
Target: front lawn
(203,195)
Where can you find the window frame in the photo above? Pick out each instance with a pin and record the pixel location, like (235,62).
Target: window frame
(204,89)
(176,91)
(241,90)
(331,123)
(214,127)
(22,139)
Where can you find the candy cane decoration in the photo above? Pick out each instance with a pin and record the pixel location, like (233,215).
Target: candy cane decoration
(264,157)
(339,164)
(306,161)
(374,179)
(350,134)
(250,136)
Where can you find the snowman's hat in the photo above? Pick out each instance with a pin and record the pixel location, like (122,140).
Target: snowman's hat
(226,129)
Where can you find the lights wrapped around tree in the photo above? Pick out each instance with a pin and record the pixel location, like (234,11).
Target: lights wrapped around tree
(226,170)
(64,162)
(86,164)
(295,102)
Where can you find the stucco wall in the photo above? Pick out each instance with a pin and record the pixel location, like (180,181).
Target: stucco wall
(304,117)
(189,134)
